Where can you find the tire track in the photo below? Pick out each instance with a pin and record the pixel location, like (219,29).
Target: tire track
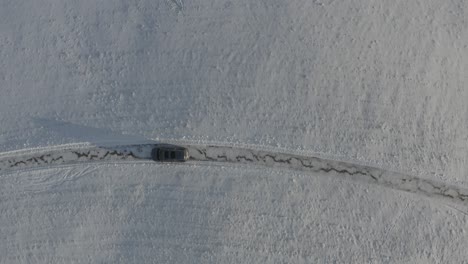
(238,155)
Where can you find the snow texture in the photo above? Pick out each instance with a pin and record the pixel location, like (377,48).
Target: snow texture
(374,82)
(356,84)
(316,166)
(152,213)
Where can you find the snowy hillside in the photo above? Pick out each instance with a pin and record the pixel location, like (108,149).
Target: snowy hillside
(379,83)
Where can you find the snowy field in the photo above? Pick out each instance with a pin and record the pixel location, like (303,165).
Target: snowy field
(150,213)
(378,83)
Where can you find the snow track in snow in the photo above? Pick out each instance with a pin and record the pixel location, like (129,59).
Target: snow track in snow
(69,154)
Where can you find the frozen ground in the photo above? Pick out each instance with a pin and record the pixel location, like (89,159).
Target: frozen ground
(381,83)
(150,213)
(216,155)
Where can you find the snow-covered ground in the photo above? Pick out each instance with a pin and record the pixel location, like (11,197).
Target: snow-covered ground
(381,83)
(150,213)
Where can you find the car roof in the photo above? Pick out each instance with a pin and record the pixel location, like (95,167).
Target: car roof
(170,147)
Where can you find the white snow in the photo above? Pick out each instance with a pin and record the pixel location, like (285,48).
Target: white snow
(372,82)
(153,213)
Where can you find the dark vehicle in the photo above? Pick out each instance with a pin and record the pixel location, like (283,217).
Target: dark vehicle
(169,153)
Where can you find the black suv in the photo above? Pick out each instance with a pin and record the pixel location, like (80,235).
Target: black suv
(169,153)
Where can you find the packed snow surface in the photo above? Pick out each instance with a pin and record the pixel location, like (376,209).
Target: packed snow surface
(222,154)
(379,83)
